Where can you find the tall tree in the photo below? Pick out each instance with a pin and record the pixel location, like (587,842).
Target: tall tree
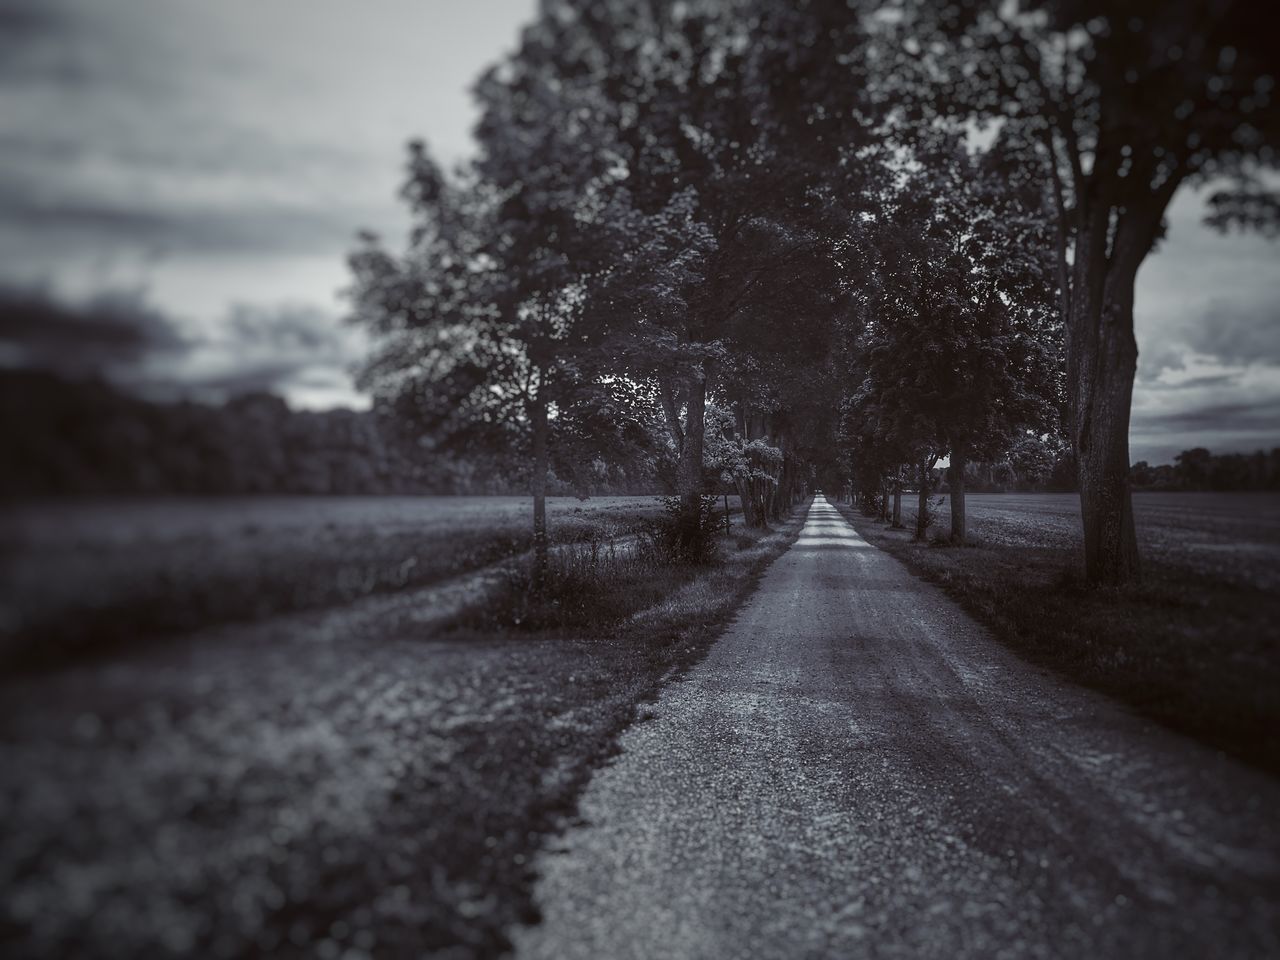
(706,113)
(1131,102)
(479,328)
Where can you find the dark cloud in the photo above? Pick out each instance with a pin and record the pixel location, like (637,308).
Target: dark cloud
(260,229)
(289,329)
(109,334)
(1194,383)
(1261,414)
(22,21)
(1233,331)
(118,335)
(1236,331)
(266,377)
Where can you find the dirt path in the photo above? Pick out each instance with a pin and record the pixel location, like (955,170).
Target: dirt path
(857,769)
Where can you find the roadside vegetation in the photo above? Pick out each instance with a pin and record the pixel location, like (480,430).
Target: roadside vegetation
(725,245)
(1193,645)
(88,577)
(375,786)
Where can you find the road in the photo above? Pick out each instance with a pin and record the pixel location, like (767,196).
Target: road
(858,770)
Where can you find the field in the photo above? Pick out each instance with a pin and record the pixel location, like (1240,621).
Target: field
(86,575)
(355,779)
(1195,645)
(1233,537)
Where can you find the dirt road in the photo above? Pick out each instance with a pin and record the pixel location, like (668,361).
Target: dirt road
(857,769)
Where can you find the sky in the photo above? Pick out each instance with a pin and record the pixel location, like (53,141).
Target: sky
(209,164)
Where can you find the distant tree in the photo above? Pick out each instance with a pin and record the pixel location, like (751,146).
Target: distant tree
(1033,458)
(481,328)
(1194,468)
(959,357)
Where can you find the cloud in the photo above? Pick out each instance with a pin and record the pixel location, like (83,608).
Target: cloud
(1238,329)
(299,351)
(22,21)
(232,126)
(1206,403)
(112,333)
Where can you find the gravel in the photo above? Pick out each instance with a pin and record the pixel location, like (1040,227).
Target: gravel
(858,769)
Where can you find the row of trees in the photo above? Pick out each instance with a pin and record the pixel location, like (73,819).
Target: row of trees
(814,242)
(1198,469)
(84,437)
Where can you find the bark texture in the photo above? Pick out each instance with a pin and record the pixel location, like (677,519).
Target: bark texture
(689,467)
(955,481)
(1102,360)
(538,487)
(922,503)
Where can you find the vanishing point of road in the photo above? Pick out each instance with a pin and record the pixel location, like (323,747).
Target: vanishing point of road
(858,770)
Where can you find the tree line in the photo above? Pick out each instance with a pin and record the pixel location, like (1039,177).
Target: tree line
(65,437)
(815,243)
(1198,469)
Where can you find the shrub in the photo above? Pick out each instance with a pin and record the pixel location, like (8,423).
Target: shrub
(691,540)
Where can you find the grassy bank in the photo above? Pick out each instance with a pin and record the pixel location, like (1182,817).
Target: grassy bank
(338,782)
(1195,651)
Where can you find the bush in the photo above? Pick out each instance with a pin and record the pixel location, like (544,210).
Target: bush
(605,574)
(690,540)
(588,584)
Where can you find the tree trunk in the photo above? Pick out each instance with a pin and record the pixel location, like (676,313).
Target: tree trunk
(897,503)
(689,468)
(955,480)
(1102,464)
(922,508)
(781,491)
(1113,226)
(744,496)
(1102,362)
(538,424)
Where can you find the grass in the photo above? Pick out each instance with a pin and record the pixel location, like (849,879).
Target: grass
(339,782)
(92,576)
(1196,652)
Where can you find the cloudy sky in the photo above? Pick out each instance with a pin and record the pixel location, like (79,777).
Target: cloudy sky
(213,161)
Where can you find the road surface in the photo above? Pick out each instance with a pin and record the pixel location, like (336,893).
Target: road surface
(858,770)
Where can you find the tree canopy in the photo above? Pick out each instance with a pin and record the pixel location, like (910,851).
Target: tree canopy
(778,244)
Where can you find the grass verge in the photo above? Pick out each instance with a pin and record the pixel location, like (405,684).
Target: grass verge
(1197,654)
(340,782)
(91,591)
(617,625)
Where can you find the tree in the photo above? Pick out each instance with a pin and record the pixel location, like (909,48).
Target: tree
(956,358)
(1130,102)
(1193,468)
(707,119)
(477,327)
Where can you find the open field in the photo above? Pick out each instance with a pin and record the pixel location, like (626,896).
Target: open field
(347,781)
(93,574)
(1233,537)
(1195,645)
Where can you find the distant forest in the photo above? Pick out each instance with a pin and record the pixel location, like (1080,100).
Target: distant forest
(65,437)
(1198,469)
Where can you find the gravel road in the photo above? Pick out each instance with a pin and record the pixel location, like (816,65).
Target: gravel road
(858,769)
